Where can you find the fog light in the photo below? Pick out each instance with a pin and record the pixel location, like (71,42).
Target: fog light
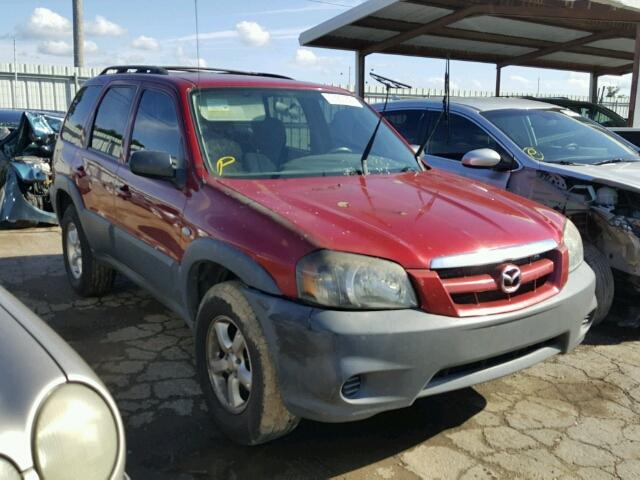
(588,319)
(351,387)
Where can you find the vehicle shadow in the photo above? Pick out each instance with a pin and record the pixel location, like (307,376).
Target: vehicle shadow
(609,333)
(320,450)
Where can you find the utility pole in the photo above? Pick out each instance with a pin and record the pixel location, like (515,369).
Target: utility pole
(78,34)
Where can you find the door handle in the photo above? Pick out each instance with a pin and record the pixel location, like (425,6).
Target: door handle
(124,192)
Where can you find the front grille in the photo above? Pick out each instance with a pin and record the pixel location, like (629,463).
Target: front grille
(497,295)
(474,367)
(479,287)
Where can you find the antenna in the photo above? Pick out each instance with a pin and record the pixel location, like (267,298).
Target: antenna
(446,102)
(195,4)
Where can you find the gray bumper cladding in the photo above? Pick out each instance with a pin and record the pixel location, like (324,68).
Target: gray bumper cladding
(391,358)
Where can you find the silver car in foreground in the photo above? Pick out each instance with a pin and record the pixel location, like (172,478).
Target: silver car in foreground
(57,419)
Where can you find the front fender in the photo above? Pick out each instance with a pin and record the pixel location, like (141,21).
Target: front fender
(239,263)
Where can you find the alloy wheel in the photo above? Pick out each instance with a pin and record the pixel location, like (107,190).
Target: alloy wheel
(74,251)
(229,364)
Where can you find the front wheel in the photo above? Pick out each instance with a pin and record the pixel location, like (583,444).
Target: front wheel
(87,276)
(605,287)
(235,369)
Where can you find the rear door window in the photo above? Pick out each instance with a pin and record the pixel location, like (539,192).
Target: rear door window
(111,121)
(79,112)
(156,125)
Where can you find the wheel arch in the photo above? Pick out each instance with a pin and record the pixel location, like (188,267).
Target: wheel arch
(64,193)
(208,261)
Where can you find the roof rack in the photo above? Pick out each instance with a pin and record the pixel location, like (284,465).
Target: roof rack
(165,70)
(134,69)
(225,71)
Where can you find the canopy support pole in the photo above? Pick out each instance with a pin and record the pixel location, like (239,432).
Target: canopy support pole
(498,79)
(634,103)
(593,87)
(360,74)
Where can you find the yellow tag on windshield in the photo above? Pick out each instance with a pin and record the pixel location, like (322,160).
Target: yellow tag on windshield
(533,153)
(224,162)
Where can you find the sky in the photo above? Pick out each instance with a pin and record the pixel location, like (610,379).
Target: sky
(255,35)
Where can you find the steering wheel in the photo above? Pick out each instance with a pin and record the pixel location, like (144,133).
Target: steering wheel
(572,146)
(341,150)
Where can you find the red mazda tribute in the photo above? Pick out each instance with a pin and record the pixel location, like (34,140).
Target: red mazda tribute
(325,272)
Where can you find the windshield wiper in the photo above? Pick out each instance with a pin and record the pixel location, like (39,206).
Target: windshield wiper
(567,162)
(614,160)
(389,84)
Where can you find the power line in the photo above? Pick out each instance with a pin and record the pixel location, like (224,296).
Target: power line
(335,4)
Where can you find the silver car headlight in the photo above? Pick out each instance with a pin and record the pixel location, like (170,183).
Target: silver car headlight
(346,280)
(75,436)
(573,242)
(8,471)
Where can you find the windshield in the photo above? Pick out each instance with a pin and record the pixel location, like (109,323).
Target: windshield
(558,136)
(274,133)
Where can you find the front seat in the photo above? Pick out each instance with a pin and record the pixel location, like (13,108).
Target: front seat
(270,139)
(346,131)
(220,149)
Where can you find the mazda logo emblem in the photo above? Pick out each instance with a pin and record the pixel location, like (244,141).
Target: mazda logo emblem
(510,278)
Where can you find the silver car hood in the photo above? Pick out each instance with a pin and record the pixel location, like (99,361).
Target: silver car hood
(27,374)
(621,175)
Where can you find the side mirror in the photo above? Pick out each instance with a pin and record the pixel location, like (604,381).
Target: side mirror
(149,163)
(481,158)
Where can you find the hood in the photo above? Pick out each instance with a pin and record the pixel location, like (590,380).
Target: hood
(621,175)
(409,218)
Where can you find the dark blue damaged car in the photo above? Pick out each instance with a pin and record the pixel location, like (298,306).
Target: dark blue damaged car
(26,145)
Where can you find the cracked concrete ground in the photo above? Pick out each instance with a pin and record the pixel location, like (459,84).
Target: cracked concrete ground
(573,417)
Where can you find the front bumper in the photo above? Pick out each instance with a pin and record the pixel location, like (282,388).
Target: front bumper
(403,355)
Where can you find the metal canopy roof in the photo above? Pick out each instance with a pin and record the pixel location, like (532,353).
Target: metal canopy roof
(596,36)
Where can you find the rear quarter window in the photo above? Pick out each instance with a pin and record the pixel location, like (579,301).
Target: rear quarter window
(79,111)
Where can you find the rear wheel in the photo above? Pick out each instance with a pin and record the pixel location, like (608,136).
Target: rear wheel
(604,281)
(87,276)
(235,369)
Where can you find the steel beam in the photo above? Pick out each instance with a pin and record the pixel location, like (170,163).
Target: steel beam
(634,102)
(424,29)
(360,65)
(593,87)
(519,60)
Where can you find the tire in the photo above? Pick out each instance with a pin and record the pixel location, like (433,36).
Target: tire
(605,288)
(224,314)
(93,278)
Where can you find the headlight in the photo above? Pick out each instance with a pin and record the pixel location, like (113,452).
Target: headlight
(346,280)
(8,471)
(76,436)
(573,242)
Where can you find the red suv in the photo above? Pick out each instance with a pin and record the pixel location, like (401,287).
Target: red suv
(325,272)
